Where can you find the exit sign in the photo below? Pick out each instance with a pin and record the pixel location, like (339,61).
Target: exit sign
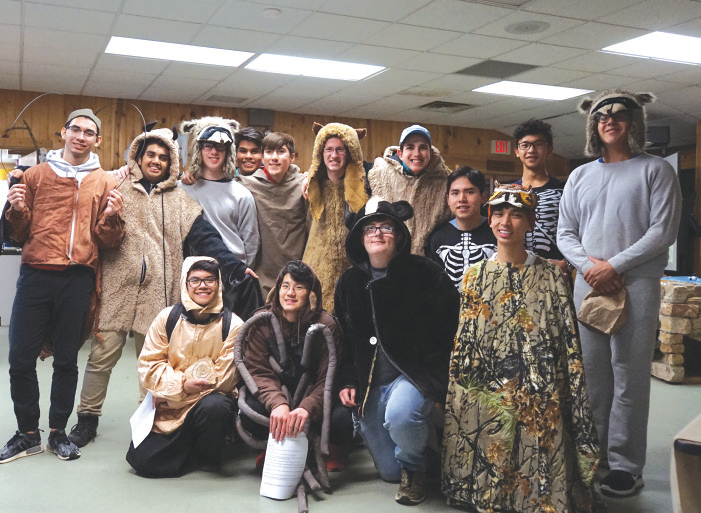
(501,147)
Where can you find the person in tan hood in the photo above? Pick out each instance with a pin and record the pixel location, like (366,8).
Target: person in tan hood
(190,373)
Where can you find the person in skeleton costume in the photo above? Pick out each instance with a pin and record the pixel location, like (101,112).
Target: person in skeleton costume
(618,216)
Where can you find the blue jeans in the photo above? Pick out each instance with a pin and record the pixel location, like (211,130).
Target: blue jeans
(397,427)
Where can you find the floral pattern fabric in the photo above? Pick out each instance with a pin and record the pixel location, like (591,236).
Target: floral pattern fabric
(519,434)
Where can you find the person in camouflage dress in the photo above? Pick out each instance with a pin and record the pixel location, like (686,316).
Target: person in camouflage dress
(519,434)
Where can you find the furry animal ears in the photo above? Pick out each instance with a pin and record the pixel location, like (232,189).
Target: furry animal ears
(189,127)
(362,132)
(640,98)
(377,207)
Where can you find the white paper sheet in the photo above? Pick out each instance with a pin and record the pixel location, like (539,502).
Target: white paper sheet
(142,420)
(284,465)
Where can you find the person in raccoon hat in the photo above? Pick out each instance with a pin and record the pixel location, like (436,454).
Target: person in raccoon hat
(398,313)
(618,216)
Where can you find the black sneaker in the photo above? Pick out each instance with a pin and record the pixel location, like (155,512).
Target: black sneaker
(411,488)
(85,430)
(620,483)
(21,445)
(61,446)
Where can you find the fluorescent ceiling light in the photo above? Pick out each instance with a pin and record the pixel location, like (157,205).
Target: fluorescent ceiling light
(304,66)
(662,46)
(175,52)
(536,91)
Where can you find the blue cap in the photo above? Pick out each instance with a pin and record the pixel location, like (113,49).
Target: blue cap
(415,129)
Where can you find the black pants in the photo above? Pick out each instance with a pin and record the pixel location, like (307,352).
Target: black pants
(48,306)
(341,432)
(198,442)
(257,431)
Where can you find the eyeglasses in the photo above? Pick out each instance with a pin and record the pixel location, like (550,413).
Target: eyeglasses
(209,146)
(337,151)
(538,145)
(299,289)
(75,130)
(617,117)
(385,229)
(195,282)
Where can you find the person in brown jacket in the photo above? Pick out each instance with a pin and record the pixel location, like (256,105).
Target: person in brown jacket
(63,211)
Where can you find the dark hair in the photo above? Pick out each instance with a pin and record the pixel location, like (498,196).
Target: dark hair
(398,235)
(534,127)
(278,140)
(248,133)
(148,141)
(475,177)
(210,266)
(300,272)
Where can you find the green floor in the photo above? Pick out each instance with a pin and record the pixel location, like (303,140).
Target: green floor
(101,481)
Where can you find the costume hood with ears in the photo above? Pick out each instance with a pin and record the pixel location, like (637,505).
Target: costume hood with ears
(354,181)
(376,207)
(213,307)
(165,136)
(609,102)
(223,129)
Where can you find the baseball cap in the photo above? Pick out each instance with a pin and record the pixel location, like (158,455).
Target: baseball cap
(415,129)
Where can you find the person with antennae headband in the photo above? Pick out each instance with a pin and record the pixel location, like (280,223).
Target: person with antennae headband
(63,211)
(141,277)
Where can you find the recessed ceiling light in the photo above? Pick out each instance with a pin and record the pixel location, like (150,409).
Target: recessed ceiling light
(661,45)
(527,27)
(176,52)
(535,91)
(272,12)
(307,67)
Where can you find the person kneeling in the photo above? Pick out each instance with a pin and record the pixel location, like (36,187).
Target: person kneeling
(193,414)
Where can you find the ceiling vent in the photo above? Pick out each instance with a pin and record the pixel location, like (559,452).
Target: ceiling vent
(226,99)
(496,69)
(445,107)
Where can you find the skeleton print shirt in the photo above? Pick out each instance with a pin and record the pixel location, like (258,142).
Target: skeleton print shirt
(542,240)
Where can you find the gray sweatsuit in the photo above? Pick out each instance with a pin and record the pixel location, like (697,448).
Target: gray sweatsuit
(628,214)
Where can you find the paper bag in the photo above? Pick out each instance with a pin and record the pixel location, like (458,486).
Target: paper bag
(605,314)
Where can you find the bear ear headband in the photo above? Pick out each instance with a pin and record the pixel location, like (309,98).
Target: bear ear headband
(514,194)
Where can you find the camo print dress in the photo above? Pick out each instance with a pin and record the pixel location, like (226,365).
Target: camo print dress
(519,435)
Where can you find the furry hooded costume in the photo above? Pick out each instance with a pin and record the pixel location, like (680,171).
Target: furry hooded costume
(329,202)
(223,132)
(610,102)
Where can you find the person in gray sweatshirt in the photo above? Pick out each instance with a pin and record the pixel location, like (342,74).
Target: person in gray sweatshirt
(618,216)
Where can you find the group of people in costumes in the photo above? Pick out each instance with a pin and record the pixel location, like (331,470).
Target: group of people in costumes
(478,370)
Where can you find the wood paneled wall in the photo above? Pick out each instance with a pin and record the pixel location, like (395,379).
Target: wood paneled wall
(121,123)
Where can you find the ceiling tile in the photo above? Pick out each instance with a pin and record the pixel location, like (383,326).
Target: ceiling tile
(156,94)
(593,36)
(130,64)
(9,52)
(9,35)
(655,86)
(413,116)
(318,87)
(481,47)
(311,5)
(651,68)
(459,83)
(8,81)
(437,63)
(168,31)
(687,99)
(59,79)
(540,54)
(411,38)
(378,55)
(549,76)
(198,71)
(9,67)
(93,5)
(401,77)
(251,84)
(64,40)
(69,19)
(455,15)
(372,9)
(281,101)
(472,98)
(691,75)
(597,82)
(589,10)
(688,28)
(659,110)
(234,39)
(597,62)
(11,12)
(338,28)
(177,89)
(557,24)
(56,55)
(308,47)
(374,110)
(250,16)
(655,14)
(181,10)
(132,78)
(112,89)
(334,104)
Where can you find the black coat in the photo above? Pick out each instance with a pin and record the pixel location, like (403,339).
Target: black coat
(412,311)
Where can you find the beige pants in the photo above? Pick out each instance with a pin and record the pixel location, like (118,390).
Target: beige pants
(104,355)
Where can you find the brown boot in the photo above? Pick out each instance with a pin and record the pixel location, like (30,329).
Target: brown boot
(411,488)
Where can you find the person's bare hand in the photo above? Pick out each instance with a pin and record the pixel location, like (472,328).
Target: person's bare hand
(562,264)
(279,418)
(195,386)
(305,188)
(187,178)
(16,173)
(16,196)
(347,396)
(158,400)
(296,421)
(251,272)
(123,172)
(602,277)
(115,201)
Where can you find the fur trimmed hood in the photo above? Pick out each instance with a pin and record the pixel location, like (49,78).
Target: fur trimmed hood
(166,136)
(635,104)
(195,128)
(354,181)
